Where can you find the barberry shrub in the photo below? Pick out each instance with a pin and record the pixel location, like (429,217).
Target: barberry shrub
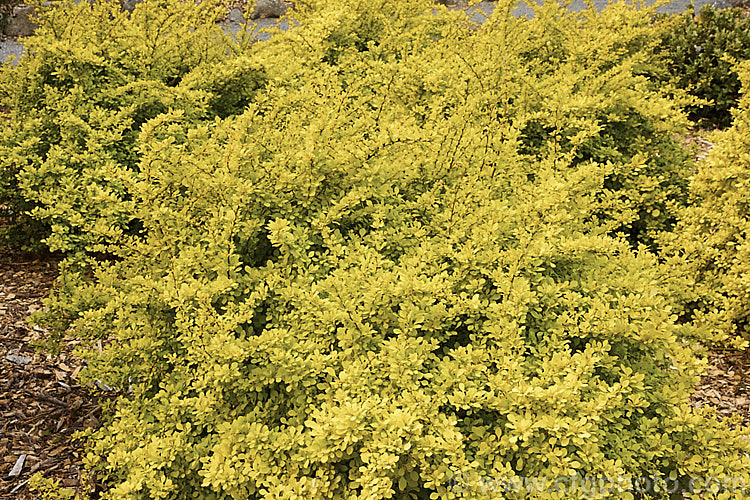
(401,272)
(91,77)
(708,253)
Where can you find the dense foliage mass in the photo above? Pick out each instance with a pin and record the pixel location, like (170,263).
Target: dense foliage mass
(387,254)
(699,53)
(709,252)
(95,76)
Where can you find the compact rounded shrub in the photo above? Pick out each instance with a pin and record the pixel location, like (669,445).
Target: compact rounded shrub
(412,265)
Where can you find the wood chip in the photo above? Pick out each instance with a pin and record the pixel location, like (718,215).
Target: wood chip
(19,360)
(50,399)
(16,470)
(43,464)
(19,486)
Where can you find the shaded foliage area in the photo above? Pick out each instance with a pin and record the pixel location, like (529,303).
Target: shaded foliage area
(699,53)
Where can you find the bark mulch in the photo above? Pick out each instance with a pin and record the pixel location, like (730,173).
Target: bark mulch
(726,385)
(42,404)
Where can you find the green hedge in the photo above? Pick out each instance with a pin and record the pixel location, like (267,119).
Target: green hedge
(699,52)
(411,263)
(65,170)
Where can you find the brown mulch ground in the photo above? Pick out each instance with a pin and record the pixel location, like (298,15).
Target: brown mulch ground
(726,385)
(41,403)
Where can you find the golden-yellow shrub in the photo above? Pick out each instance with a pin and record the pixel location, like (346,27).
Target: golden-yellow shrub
(399,273)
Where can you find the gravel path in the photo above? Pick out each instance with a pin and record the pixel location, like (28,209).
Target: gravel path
(10,47)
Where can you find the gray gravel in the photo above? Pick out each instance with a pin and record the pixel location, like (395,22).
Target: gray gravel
(9,47)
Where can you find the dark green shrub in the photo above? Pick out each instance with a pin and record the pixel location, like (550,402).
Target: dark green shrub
(699,52)
(396,273)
